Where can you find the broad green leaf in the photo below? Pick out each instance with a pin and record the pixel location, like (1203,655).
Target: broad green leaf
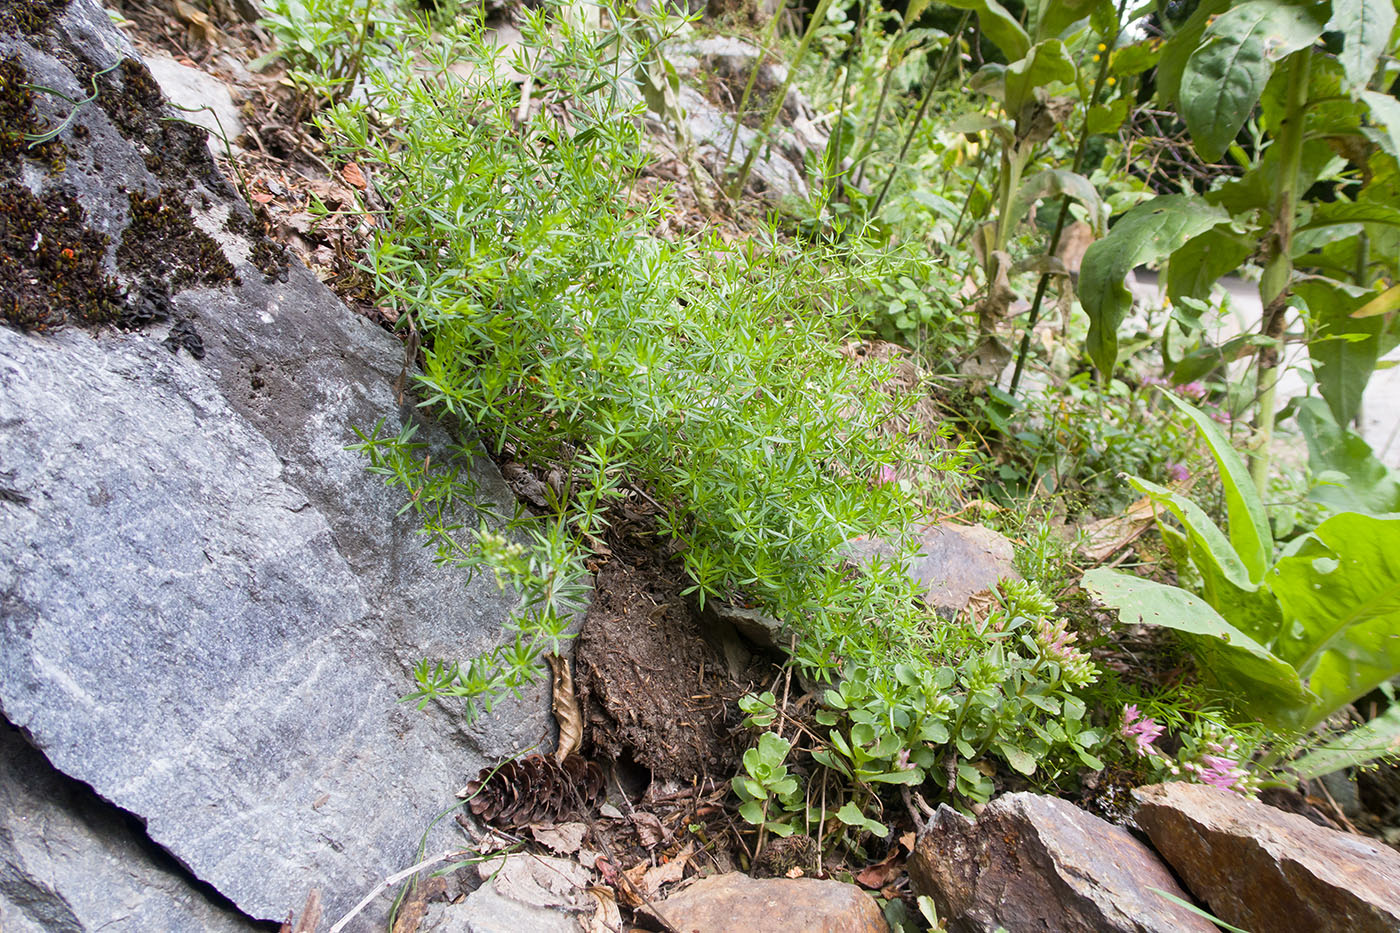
(1149,232)
(1266,686)
(1380,736)
(1227,72)
(1385,110)
(1341,366)
(1106,118)
(1384,303)
(1019,759)
(1249,524)
(1365,26)
(1052,17)
(1347,212)
(1177,50)
(1046,63)
(1225,582)
(999,26)
(1136,58)
(1054,183)
(1202,260)
(1340,594)
(1347,476)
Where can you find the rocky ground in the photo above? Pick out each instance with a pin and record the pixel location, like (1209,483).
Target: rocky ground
(209,609)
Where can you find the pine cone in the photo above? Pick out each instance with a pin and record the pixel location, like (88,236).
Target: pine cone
(535,790)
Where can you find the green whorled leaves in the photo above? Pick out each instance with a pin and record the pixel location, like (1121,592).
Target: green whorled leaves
(1344,351)
(1340,594)
(1266,685)
(1348,476)
(999,26)
(1148,233)
(1225,75)
(1365,27)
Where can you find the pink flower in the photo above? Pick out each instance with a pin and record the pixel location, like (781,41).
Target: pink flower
(1140,730)
(1177,472)
(1192,390)
(902,762)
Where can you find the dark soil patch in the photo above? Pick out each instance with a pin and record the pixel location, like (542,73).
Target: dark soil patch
(653,690)
(51,263)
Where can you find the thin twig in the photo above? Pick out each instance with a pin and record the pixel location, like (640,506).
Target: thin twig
(392,880)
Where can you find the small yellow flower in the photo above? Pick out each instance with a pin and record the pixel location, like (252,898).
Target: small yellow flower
(1102,47)
(1111,81)
(1096,58)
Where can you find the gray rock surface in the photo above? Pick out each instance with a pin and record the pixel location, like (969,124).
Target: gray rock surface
(70,863)
(209,609)
(200,98)
(1268,871)
(1032,862)
(954,562)
(518,892)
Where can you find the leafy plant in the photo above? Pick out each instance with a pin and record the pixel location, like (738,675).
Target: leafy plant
(1298,78)
(325,43)
(766,785)
(1295,638)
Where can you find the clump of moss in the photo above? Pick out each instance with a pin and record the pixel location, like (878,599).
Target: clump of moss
(133,101)
(20,125)
(161,243)
(271,258)
(29,17)
(51,263)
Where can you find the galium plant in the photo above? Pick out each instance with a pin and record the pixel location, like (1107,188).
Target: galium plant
(705,379)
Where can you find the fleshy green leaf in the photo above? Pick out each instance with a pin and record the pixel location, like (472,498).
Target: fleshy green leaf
(1053,16)
(1340,594)
(1365,26)
(1267,686)
(1227,72)
(1250,534)
(1202,260)
(999,26)
(1149,232)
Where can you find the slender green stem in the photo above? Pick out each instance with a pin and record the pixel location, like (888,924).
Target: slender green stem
(948,54)
(874,126)
(768,32)
(1278,272)
(1023,351)
(818,17)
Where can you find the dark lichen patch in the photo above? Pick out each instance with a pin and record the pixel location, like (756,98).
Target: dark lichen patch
(29,17)
(162,244)
(21,128)
(51,263)
(271,258)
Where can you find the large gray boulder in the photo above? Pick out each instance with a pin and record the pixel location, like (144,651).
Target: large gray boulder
(209,609)
(70,863)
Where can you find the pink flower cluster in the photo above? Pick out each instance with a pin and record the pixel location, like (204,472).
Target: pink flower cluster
(1056,644)
(1140,730)
(1192,390)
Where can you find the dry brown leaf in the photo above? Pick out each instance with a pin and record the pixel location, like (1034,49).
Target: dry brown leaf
(670,872)
(874,877)
(197,22)
(606,917)
(561,838)
(1109,534)
(353,176)
(411,913)
(649,829)
(566,708)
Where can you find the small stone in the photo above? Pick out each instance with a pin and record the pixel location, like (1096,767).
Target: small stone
(1268,871)
(954,562)
(1032,862)
(736,903)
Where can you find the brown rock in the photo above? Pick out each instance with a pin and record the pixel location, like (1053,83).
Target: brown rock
(736,903)
(1269,871)
(1038,863)
(955,562)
